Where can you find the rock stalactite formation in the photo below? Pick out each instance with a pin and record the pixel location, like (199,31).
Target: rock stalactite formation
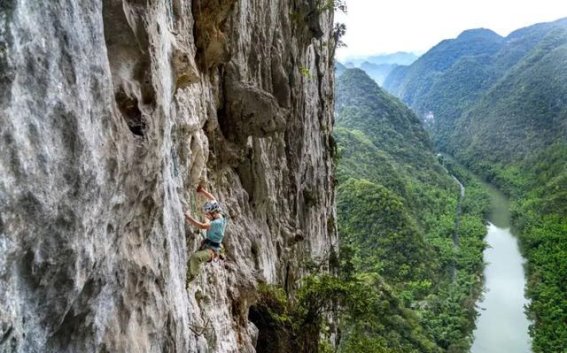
(111,112)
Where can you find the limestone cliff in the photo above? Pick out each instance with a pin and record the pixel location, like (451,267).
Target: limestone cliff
(111,112)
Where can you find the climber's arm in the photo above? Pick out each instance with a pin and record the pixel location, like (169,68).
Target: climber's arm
(207,194)
(196,223)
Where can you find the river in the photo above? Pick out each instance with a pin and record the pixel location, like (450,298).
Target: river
(502,325)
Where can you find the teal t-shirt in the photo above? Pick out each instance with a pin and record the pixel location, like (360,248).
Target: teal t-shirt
(216,231)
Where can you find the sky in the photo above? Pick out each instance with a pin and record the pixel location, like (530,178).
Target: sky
(388,26)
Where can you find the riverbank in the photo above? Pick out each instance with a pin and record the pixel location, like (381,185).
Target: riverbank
(537,189)
(502,324)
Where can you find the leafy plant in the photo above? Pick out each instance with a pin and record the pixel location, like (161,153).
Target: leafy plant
(304,71)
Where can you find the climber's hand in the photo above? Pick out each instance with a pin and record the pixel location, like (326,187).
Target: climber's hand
(199,188)
(195,222)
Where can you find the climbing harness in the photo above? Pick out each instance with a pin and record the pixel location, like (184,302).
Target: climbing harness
(216,250)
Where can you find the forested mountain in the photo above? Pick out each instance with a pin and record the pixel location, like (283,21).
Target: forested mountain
(501,109)
(415,82)
(339,68)
(396,215)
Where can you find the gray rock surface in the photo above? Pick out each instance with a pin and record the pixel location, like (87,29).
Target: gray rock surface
(110,114)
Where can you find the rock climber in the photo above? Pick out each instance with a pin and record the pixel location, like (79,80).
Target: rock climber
(215,224)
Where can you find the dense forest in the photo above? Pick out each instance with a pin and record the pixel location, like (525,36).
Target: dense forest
(499,106)
(397,208)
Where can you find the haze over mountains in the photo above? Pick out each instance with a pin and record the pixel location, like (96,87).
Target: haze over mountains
(399,58)
(379,66)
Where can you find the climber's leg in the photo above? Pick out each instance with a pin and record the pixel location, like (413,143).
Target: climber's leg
(195,263)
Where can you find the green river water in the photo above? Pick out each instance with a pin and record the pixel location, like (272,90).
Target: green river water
(502,326)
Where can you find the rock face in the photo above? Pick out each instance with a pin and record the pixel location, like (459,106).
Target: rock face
(110,114)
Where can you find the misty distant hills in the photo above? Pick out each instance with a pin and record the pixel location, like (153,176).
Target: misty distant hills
(399,58)
(339,69)
(378,72)
(379,66)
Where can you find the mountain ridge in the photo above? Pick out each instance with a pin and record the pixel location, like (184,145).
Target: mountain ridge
(504,115)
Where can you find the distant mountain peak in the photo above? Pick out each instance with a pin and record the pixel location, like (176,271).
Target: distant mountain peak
(479,33)
(359,75)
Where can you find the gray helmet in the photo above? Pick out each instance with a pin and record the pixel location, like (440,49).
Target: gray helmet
(211,206)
